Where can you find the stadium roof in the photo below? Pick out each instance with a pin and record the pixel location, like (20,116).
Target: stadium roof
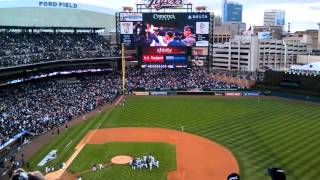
(49,14)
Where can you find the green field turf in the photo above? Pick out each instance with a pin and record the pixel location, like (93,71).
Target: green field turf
(94,154)
(269,132)
(66,142)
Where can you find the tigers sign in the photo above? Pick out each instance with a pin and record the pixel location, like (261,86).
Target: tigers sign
(161,4)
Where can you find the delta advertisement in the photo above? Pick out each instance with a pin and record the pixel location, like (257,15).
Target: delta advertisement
(164,57)
(165,29)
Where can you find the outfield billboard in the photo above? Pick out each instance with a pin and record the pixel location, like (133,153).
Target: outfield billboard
(165,29)
(164,57)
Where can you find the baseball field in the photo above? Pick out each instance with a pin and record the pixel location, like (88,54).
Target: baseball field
(259,132)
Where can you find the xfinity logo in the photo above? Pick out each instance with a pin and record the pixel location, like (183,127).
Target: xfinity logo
(159,4)
(164,17)
(164,50)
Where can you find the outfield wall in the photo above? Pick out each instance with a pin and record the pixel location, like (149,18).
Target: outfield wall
(201,93)
(292,81)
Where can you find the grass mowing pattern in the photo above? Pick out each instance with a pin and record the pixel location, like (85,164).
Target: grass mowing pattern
(269,132)
(102,153)
(72,137)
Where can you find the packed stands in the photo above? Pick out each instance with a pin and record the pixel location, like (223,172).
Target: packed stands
(41,106)
(26,48)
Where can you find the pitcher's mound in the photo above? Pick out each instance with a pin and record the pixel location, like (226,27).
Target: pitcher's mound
(121,159)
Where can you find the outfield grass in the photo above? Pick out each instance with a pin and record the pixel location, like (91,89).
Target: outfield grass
(102,153)
(66,142)
(269,132)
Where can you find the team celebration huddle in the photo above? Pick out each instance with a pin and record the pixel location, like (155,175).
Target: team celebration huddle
(147,162)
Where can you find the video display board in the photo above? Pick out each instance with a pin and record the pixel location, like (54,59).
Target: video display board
(165,29)
(164,57)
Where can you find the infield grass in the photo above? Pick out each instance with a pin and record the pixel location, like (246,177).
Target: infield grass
(102,153)
(260,133)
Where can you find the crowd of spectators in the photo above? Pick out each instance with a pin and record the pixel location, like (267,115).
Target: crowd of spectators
(246,75)
(42,106)
(26,48)
(174,79)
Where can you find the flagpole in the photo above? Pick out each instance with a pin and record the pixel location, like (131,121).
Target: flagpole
(123,62)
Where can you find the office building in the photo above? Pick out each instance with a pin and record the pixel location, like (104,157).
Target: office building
(319,36)
(232,11)
(275,31)
(248,53)
(274,17)
(226,31)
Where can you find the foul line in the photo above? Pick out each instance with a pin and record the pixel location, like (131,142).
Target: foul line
(79,147)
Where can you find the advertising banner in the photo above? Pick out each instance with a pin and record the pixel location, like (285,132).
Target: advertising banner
(131,17)
(218,94)
(164,66)
(159,93)
(164,57)
(233,94)
(251,94)
(264,35)
(164,50)
(202,27)
(126,27)
(141,93)
(153,58)
(200,51)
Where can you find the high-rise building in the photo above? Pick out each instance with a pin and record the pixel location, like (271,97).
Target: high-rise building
(274,17)
(248,53)
(232,11)
(319,37)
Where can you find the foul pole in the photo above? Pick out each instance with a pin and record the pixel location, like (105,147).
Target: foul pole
(123,61)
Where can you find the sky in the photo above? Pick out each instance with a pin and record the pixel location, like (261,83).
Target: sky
(302,14)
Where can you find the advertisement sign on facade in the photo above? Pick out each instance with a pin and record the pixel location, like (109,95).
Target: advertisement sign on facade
(200,51)
(264,35)
(131,17)
(160,4)
(126,27)
(202,28)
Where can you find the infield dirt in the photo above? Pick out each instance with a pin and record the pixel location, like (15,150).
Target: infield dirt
(197,157)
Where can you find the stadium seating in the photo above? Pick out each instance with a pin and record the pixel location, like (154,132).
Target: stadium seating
(43,105)
(26,48)
(39,107)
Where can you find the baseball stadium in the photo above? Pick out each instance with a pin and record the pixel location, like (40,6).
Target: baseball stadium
(93,93)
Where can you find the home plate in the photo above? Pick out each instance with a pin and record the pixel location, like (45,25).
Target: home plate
(121,159)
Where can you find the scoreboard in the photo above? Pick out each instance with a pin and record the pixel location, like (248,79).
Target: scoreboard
(164,57)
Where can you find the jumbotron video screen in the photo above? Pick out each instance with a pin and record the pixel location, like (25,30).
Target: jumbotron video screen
(165,29)
(165,38)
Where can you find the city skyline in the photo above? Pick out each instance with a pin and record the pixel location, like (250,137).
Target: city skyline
(301,14)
